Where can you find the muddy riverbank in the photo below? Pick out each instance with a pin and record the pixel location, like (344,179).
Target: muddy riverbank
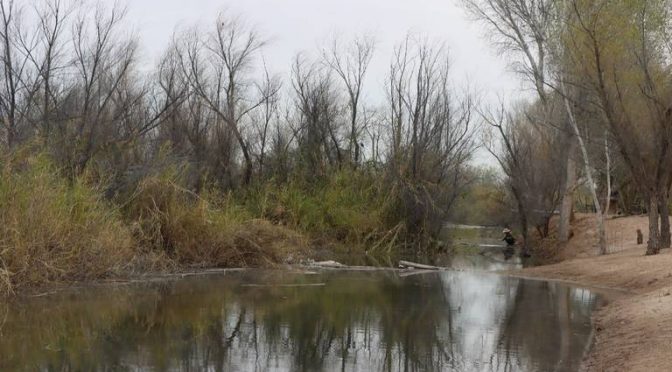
(633,331)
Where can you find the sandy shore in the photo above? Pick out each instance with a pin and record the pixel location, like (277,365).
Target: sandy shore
(634,328)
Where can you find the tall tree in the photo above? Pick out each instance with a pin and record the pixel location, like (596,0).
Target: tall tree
(351,65)
(218,71)
(526,29)
(620,50)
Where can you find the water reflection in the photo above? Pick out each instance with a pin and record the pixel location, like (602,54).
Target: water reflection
(356,321)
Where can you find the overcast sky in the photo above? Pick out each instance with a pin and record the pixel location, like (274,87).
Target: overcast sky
(294,26)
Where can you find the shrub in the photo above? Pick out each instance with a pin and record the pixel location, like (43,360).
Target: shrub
(53,230)
(349,207)
(207,230)
(339,207)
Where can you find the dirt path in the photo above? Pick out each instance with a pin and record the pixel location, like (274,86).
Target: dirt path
(634,330)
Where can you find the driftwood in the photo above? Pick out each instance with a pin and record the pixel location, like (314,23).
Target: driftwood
(405,274)
(285,285)
(413,265)
(402,265)
(329,264)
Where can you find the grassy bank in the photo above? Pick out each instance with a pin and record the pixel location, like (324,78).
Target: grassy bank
(54,229)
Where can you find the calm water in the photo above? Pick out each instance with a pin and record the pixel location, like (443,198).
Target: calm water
(280,321)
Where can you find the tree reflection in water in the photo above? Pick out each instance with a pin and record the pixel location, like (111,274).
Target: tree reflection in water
(357,321)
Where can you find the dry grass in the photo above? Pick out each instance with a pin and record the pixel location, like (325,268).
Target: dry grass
(354,211)
(55,231)
(52,231)
(203,230)
(345,207)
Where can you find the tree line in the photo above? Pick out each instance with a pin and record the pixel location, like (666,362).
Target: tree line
(601,113)
(73,85)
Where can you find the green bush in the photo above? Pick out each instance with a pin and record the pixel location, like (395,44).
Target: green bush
(349,207)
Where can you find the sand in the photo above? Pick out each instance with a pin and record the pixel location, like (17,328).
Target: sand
(633,331)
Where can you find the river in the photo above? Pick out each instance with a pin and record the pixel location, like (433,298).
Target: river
(305,320)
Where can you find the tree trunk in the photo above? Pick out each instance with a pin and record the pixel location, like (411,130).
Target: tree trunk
(607,202)
(653,245)
(599,216)
(602,233)
(568,195)
(664,210)
(522,216)
(249,165)
(414,265)
(353,136)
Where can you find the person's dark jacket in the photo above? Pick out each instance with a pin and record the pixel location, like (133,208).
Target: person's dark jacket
(509,239)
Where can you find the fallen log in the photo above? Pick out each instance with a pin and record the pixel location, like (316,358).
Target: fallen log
(329,264)
(414,265)
(405,274)
(285,285)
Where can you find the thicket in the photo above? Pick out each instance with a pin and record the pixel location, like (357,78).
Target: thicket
(54,229)
(210,159)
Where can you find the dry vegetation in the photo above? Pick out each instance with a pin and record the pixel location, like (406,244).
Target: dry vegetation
(202,230)
(210,159)
(54,231)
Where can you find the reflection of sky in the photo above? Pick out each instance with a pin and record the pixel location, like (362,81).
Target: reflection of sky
(438,321)
(583,303)
(583,296)
(485,263)
(483,301)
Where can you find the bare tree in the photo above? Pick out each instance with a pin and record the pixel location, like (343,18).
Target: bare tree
(104,67)
(317,102)
(106,104)
(17,88)
(267,113)
(218,70)
(429,125)
(351,66)
(527,157)
(374,128)
(522,28)
(49,59)
(431,130)
(527,28)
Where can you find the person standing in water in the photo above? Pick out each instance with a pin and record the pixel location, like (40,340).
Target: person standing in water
(510,243)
